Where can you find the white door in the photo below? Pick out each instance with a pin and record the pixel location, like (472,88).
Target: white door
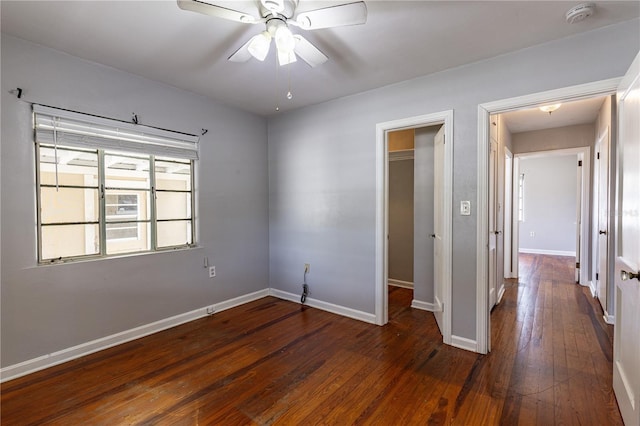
(626,343)
(438,222)
(602,158)
(493,223)
(578,222)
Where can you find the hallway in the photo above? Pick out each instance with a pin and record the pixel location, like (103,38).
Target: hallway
(552,351)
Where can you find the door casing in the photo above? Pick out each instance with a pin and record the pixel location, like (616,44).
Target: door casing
(582,91)
(382,176)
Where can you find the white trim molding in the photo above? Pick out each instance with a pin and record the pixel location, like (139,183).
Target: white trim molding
(582,91)
(609,319)
(325,306)
(425,306)
(45,361)
(464,343)
(399,283)
(382,175)
(549,252)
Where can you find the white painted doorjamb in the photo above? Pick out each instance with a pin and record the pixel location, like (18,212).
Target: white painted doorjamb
(582,91)
(382,177)
(515,213)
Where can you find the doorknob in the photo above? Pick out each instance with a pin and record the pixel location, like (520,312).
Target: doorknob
(432,235)
(602,232)
(497,232)
(624,275)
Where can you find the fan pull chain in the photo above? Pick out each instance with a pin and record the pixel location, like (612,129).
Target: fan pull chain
(289,95)
(276,87)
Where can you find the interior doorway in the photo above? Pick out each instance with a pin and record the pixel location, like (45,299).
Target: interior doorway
(516,105)
(433,137)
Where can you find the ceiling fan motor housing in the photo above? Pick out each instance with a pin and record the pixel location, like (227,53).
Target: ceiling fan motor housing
(284,8)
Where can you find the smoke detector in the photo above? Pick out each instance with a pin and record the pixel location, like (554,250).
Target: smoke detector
(580,12)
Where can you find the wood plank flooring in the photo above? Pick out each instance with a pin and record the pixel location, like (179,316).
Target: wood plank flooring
(275,362)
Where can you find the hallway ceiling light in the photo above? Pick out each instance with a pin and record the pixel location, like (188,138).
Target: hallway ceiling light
(550,108)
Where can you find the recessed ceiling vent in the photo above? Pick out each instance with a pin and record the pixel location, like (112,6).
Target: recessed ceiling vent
(580,12)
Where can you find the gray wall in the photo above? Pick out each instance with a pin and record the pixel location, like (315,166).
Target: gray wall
(401,220)
(322,160)
(558,138)
(423,267)
(49,308)
(561,138)
(550,203)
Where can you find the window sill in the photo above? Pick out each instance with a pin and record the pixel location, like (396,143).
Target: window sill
(76,260)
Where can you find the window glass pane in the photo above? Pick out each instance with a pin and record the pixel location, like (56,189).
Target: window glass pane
(126,205)
(75,167)
(174,233)
(173,205)
(68,205)
(126,171)
(174,174)
(69,240)
(121,238)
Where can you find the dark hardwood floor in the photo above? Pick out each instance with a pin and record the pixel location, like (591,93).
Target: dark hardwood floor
(275,362)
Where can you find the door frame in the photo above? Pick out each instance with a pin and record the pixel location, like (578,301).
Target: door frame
(508,216)
(582,204)
(444,118)
(571,93)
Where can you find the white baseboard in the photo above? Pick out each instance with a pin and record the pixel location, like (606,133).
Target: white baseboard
(399,283)
(592,288)
(325,306)
(609,319)
(45,361)
(551,252)
(464,343)
(427,306)
(500,293)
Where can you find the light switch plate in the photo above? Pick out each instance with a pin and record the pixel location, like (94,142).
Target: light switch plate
(465,208)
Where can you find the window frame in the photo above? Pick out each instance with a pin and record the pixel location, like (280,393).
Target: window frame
(102,216)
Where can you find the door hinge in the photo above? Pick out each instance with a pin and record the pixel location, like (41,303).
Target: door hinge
(577,265)
(598,156)
(597,276)
(580,163)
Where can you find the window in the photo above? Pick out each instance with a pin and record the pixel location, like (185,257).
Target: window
(121,207)
(110,188)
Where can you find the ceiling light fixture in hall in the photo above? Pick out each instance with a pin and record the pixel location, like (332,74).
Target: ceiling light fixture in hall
(550,108)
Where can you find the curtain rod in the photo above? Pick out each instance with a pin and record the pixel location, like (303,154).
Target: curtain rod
(134,118)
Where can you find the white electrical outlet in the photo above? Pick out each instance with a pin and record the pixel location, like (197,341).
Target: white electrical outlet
(210,310)
(532,234)
(212,271)
(307,267)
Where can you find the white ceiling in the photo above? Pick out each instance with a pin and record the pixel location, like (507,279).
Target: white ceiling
(401,40)
(569,114)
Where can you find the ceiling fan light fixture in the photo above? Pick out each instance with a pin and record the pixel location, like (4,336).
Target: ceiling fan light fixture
(286,58)
(259,45)
(550,108)
(284,39)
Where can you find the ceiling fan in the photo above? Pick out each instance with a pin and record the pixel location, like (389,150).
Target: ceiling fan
(278,15)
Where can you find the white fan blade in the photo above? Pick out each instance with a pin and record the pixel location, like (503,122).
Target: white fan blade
(242,54)
(217,11)
(308,52)
(334,16)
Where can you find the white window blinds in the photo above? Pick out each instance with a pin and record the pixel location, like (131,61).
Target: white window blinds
(61,127)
